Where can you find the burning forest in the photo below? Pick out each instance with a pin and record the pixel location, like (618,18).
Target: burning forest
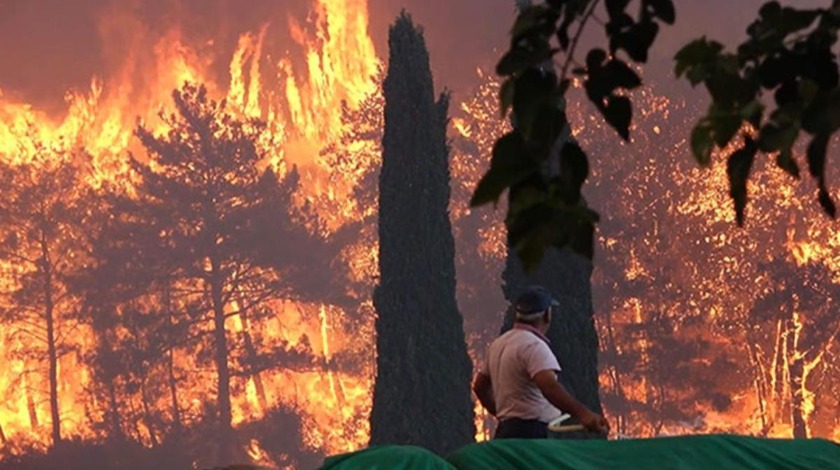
(189,249)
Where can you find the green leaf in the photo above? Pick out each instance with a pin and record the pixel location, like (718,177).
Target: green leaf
(817,150)
(509,165)
(636,40)
(823,113)
(533,93)
(535,19)
(530,233)
(752,112)
(574,169)
(777,137)
(621,75)
(551,223)
(785,161)
(582,239)
(619,114)
(827,203)
(696,55)
(702,143)
(520,58)
(724,125)
(775,22)
(728,89)
(738,170)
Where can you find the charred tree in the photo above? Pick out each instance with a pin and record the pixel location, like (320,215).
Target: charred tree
(422,391)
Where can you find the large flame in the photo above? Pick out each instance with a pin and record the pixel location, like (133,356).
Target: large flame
(301,108)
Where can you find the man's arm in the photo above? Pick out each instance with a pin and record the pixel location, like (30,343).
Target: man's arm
(483,388)
(557,395)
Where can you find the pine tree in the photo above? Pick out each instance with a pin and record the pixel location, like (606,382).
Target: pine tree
(208,219)
(422,391)
(41,239)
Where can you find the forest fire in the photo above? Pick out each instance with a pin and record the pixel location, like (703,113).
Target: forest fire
(703,327)
(298,110)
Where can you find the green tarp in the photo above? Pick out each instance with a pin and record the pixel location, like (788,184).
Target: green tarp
(388,458)
(717,452)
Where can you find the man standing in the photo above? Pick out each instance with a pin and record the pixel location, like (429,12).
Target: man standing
(518,381)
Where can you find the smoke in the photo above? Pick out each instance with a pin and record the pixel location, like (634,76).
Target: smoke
(50,46)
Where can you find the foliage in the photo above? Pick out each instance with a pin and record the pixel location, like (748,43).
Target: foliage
(546,209)
(789,54)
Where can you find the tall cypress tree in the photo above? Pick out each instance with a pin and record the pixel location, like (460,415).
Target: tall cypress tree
(422,392)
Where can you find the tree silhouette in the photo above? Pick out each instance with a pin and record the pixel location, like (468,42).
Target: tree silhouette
(788,54)
(42,241)
(422,390)
(209,218)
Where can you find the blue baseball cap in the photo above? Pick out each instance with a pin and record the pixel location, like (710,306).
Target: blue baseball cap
(533,302)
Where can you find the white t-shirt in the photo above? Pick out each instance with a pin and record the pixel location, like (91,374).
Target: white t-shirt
(513,359)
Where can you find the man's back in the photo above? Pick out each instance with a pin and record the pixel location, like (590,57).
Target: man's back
(513,360)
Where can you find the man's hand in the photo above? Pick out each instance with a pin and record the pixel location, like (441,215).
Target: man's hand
(593,422)
(483,389)
(557,395)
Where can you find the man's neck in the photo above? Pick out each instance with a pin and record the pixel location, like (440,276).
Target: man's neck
(532,329)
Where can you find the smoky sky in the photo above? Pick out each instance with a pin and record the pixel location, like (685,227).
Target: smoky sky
(50,46)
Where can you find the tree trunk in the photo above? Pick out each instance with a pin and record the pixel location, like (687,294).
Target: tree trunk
(173,383)
(114,419)
(221,359)
(34,424)
(796,376)
(52,353)
(251,351)
(760,385)
(779,368)
(615,373)
(148,416)
(796,372)
(173,392)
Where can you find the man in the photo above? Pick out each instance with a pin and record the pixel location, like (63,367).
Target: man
(518,381)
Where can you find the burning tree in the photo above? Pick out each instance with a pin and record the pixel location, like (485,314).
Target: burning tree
(422,390)
(210,237)
(43,243)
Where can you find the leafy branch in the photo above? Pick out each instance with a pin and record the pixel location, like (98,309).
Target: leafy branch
(536,163)
(788,53)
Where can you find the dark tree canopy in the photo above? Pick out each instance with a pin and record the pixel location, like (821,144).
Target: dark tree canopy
(422,391)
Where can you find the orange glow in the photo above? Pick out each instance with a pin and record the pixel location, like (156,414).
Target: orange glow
(301,120)
(669,255)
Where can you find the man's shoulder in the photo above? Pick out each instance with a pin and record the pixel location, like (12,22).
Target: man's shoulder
(518,337)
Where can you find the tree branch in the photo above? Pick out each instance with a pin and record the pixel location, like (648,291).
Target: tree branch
(584,19)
